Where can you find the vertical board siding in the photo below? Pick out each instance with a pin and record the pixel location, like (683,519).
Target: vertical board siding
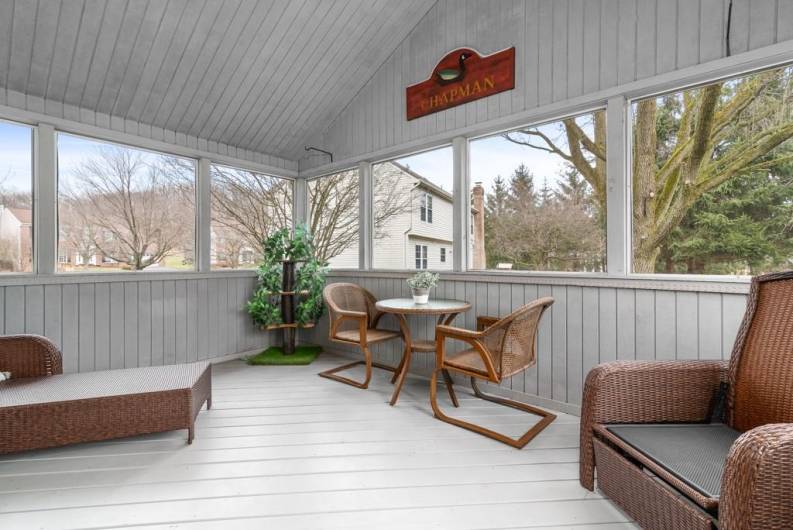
(564,49)
(104,325)
(585,326)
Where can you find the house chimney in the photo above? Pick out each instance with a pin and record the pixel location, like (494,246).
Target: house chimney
(478,220)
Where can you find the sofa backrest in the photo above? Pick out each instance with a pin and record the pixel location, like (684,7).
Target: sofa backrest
(761,366)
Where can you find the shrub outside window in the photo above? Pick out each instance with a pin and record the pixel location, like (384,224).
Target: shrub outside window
(16,198)
(538,197)
(712,177)
(413,207)
(122,208)
(247,208)
(333,218)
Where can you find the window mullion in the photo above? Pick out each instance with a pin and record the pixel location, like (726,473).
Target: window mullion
(45,193)
(203,216)
(461,207)
(617,189)
(365,216)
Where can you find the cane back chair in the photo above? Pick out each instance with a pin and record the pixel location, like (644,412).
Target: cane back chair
(354,321)
(500,348)
(750,472)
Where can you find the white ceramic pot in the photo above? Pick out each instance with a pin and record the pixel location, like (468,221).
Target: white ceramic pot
(421,296)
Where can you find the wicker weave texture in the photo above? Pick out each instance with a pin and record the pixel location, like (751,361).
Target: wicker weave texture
(53,410)
(652,505)
(29,356)
(757,488)
(349,297)
(510,342)
(761,372)
(644,392)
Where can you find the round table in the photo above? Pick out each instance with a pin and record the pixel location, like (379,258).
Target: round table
(445,310)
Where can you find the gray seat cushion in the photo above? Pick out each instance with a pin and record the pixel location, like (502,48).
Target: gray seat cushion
(694,453)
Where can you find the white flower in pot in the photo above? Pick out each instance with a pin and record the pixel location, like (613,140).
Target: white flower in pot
(420,285)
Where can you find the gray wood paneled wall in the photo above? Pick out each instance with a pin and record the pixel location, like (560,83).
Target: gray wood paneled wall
(565,49)
(100,324)
(587,325)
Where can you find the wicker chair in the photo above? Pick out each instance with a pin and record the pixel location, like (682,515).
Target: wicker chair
(353,321)
(500,348)
(756,488)
(29,356)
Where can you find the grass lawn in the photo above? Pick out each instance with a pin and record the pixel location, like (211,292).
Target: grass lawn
(274,356)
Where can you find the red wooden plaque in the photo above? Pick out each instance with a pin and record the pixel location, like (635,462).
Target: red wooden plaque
(461,76)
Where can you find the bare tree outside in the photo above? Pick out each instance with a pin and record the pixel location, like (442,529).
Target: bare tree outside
(333,213)
(333,209)
(129,207)
(247,208)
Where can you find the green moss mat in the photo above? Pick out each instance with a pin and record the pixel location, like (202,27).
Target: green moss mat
(274,356)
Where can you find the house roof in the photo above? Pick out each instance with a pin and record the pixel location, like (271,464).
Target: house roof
(423,182)
(23,215)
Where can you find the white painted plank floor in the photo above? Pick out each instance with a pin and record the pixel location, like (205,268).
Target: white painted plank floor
(285,449)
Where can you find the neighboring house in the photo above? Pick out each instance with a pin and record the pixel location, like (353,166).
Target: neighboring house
(420,236)
(16,239)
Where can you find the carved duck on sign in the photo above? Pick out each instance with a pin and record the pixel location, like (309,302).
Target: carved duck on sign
(447,75)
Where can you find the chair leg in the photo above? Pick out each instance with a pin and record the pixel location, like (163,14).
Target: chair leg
(450,387)
(332,373)
(547,417)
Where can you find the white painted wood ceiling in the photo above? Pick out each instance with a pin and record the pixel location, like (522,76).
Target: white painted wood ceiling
(258,74)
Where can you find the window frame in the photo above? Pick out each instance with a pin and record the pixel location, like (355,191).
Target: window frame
(546,120)
(293,221)
(628,103)
(425,203)
(363,201)
(196,203)
(35,206)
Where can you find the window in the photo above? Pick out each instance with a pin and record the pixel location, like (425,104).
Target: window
(16,198)
(413,203)
(426,207)
(333,217)
(421,256)
(538,200)
(443,255)
(121,208)
(247,207)
(713,179)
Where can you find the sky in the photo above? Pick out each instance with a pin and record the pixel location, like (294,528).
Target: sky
(492,156)
(16,157)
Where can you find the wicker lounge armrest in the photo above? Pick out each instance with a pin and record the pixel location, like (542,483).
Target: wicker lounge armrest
(29,356)
(758,479)
(645,392)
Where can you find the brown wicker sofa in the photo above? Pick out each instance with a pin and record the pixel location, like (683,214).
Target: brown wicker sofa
(42,407)
(750,472)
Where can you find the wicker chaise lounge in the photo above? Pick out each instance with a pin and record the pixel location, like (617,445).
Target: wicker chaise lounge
(42,407)
(653,430)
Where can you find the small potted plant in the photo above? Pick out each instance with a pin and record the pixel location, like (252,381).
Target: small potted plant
(420,285)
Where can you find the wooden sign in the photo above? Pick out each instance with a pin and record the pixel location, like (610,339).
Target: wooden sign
(460,77)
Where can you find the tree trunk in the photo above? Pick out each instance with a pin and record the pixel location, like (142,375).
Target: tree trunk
(644,260)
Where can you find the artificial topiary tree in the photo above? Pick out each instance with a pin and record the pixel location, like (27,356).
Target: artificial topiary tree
(291,279)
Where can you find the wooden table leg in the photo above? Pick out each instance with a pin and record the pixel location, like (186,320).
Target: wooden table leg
(405,364)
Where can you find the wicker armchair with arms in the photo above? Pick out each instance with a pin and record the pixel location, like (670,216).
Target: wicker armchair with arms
(354,321)
(500,348)
(652,429)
